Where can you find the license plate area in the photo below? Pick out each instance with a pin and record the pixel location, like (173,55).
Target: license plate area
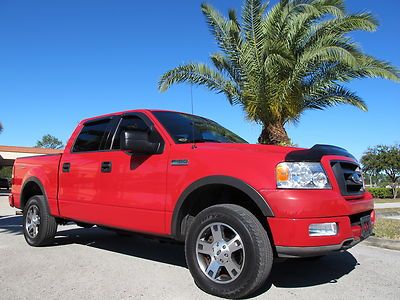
(366,226)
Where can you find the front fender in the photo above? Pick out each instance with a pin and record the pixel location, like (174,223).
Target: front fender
(247,189)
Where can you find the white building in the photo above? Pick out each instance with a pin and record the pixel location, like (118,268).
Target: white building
(8,154)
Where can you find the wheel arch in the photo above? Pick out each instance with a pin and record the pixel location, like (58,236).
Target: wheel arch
(216,184)
(32,187)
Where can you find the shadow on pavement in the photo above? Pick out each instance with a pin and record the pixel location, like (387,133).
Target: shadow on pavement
(133,245)
(11,224)
(289,273)
(299,273)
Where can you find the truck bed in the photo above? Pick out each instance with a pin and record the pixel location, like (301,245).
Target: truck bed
(45,168)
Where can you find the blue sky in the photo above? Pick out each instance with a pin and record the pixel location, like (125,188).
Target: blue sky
(61,61)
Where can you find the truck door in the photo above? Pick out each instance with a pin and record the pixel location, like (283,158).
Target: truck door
(80,168)
(132,191)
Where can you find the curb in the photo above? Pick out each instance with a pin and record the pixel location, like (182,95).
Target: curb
(383,243)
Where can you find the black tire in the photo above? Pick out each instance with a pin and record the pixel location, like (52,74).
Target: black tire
(257,249)
(47,227)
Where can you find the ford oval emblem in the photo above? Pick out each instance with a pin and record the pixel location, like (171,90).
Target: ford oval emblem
(356,178)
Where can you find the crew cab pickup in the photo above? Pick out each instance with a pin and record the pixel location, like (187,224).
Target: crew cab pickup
(236,206)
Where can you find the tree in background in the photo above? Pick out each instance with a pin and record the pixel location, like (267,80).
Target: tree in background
(383,159)
(280,63)
(1,127)
(376,180)
(49,141)
(5,172)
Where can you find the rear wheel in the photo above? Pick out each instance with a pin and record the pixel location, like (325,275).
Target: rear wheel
(39,226)
(228,251)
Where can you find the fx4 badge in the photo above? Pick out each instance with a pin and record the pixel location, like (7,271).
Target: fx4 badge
(179,162)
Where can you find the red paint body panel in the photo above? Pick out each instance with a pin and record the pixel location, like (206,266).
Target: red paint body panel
(79,189)
(141,194)
(45,169)
(299,204)
(294,232)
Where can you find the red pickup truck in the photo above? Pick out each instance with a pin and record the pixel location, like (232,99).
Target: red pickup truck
(176,175)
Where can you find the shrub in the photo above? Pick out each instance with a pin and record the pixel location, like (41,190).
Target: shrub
(381,192)
(5,172)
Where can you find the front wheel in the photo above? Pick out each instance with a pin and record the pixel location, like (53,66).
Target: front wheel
(39,226)
(228,251)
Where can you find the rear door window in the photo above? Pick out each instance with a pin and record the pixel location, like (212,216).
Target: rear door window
(92,136)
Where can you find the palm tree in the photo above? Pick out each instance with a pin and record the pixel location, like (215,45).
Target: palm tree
(280,63)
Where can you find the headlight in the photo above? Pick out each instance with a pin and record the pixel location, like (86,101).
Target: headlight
(301,175)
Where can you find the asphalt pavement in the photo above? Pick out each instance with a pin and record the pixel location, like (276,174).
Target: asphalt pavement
(98,264)
(387,205)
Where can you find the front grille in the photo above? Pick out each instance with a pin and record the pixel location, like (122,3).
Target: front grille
(349,178)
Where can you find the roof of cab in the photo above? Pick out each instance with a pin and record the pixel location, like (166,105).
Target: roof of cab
(124,112)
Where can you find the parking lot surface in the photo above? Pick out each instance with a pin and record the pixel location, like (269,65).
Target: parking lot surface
(98,264)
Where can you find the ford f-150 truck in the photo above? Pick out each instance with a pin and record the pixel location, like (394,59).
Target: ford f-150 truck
(236,206)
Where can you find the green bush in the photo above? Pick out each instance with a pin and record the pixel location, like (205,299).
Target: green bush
(5,172)
(381,192)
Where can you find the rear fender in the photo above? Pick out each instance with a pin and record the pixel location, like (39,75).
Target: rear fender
(29,189)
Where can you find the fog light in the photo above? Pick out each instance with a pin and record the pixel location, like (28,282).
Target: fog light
(322,229)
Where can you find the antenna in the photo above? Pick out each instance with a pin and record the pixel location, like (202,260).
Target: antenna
(191,102)
(191,97)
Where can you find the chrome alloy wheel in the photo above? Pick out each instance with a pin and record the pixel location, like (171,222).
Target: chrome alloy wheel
(32,221)
(220,252)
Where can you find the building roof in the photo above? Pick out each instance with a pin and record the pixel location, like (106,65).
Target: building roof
(29,150)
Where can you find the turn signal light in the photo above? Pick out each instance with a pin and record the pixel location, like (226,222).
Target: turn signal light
(282,172)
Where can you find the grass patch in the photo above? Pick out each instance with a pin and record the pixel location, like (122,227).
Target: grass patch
(387,200)
(388,229)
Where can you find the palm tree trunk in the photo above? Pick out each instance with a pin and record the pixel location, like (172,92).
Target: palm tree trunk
(274,134)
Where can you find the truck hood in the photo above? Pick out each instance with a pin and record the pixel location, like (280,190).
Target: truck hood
(313,154)
(257,148)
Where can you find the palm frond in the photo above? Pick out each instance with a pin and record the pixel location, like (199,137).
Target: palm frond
(374,68)
(200,74)
(252,28)
(334,95)
(224,31)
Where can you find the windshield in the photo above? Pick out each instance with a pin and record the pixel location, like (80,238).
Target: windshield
(185,128)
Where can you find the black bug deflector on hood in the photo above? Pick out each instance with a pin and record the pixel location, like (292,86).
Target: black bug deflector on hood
(315,153)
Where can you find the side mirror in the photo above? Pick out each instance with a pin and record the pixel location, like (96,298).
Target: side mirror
(137,142)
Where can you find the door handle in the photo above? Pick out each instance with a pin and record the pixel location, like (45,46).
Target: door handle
(66,167)
(106,166)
